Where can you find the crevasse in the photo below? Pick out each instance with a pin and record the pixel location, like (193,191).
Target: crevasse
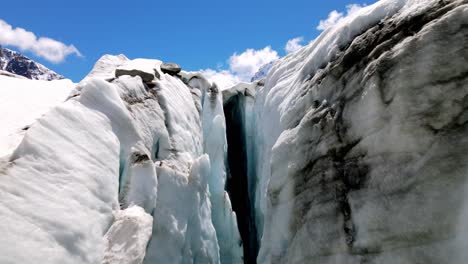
(352,150)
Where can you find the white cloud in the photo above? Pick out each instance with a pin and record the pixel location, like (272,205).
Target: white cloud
(224,78)
(335,17)
(293,45)
(246,64)
(47,48)
(241,67)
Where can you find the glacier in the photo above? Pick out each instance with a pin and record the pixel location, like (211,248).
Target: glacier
(22,102)
(128,236)
(87,177)
(215,145)
(360,138)
(238,106)
(350,150)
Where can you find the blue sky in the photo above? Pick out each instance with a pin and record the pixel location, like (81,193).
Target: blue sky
(195,34)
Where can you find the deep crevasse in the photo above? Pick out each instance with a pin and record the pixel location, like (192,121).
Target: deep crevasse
(238,104)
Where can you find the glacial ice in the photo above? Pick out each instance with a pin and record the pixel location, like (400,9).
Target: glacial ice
(105,67)
(182,230)
(359,140)
(352,150)
(238,104)
(215,145)
(22,102)
(61,173)
(128,236)
(77,175)
(140,187)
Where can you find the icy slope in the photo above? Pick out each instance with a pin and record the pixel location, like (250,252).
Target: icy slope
(361,141)
(59,187)
(22,102)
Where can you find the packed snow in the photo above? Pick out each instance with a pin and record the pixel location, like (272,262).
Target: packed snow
(105,67)
(59,188)
(22,102)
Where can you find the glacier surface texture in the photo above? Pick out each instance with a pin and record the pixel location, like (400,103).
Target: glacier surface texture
(353,149)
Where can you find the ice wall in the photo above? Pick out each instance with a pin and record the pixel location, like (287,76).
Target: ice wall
(128,236)
(361,140)
(238,104)
(62,186)
(215,145)
(183,231)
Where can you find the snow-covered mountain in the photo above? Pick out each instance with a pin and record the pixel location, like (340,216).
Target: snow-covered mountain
(262,72)
(16,63)
(353,150)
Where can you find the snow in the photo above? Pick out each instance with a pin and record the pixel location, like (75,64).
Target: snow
(146,69)
(76,174)
(22,102)
(17,63)
(262,73)
(182,117)
(61,173)
(105,67)
(128,237)
(9,74)
(125,171)
(161,124)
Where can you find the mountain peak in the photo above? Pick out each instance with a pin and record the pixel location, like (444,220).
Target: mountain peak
(16,63)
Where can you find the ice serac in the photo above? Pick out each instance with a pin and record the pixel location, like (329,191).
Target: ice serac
(215,145)
(73,174)
(183,231)
(60,189)
(128,237)
(165,171)
(361,140)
